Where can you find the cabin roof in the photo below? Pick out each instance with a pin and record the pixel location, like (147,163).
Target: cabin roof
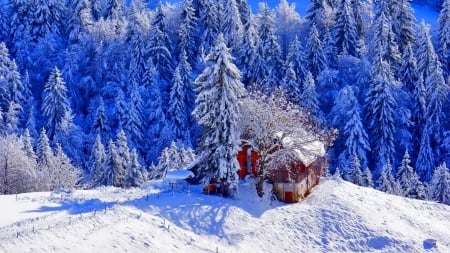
(179,174)
(307,147)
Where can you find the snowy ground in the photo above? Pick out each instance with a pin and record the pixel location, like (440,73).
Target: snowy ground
(337,217)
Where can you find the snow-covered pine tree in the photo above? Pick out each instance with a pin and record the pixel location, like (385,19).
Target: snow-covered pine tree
(247,54)
(315,56)
(164,165)
(43,150)
(134,118)
(444,36)
(210,20)
(269,49)
(292,85)
(380,109)
(28,144)
(404,24)
(345,29)
(318,13)
(437,96)
(113,173)
(296,58)
(134,176)
(100,125)
(409,182)
(158,134)
(188,33)
(356,175)
(425,53)
(232,26)
(217,110)
(384,37)
(386,182)
(55,102)
(309,98)
(367,180)
(439,188)
(160,47)
(121,109)
(97,162)
(177,109)
(357,141)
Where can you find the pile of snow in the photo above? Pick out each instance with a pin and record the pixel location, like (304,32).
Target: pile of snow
(336,217)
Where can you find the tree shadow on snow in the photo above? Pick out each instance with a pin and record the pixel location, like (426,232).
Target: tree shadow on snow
(200,213)
(76,206)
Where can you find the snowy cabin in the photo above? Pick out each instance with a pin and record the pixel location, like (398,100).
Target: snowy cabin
(293,180)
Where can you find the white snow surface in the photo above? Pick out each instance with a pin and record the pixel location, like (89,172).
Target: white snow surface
(336,217)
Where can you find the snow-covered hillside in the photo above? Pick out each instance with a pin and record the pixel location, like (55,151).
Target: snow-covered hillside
(337,217)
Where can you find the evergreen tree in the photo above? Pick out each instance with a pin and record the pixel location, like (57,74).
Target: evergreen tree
(134,118)
(97,161)
(386,182)
(356,175)
(409,182)
(247,54)
(317,13)
(43,150)
(187,33)
(404,24)
(345,29)
(357,141)
(367,178)
(296,59)
(291,84)
(425,52)
(123,151)
(157,134)
(233,28)
(179,110)
(121,109)
(28,145)
(134,177)
(426,159)
(210,19)
(100,126)
(384,38)
(309,98)
(114,172)
(269,50)
(444,36)
(380,108)
(217,111)
(160,50)
(55,103)
(439,189)
(314,53)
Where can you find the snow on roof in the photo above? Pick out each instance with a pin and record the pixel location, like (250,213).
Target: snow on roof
(179,174)
(309,148)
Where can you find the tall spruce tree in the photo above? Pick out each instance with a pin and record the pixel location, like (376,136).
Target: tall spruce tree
(217,110)
(444,36)
(409,182)
(315,56)
(55,102)
(439,189)
(345,29)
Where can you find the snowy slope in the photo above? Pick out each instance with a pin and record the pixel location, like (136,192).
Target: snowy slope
(338,216)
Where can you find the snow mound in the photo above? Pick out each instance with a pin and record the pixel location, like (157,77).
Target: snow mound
(336,217)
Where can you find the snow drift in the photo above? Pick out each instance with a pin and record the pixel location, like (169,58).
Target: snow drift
(337,216)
